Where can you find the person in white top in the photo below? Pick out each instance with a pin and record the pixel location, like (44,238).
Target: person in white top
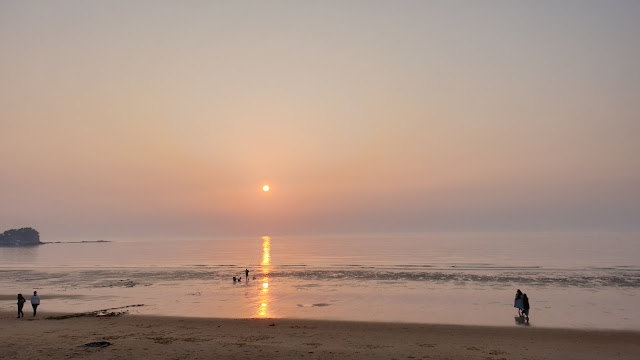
(35,301)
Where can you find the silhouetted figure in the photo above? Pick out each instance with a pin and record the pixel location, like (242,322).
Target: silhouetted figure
(21,301)
(35,301)
(525,306)
(517,303)
(246,273)
(234,279)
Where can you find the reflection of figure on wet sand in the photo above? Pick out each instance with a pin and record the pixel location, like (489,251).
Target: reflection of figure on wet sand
(521,321)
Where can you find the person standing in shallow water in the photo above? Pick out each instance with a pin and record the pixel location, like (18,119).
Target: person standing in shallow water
(246,274)
(35,301)
(21,301)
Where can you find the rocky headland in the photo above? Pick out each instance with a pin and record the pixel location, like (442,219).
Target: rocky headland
(20,237)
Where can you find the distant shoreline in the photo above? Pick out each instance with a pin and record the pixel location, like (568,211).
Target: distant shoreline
(55,242)
(77,242)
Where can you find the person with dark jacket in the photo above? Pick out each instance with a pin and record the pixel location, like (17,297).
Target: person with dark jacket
(517,303)
(525,305)
(21,301)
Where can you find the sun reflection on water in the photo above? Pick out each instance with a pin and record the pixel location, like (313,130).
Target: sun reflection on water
(266,252)
(263,297)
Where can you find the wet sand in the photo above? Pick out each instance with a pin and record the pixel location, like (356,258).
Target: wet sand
(153,337)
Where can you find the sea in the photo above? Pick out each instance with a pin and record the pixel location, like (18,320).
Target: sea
(573,280)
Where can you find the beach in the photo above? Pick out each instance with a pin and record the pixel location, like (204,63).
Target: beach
(320,180)
(412,279)
(155,337)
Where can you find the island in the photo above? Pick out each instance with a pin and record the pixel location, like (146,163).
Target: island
(20,237)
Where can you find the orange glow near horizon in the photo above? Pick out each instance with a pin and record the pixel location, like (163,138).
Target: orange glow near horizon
(412,149)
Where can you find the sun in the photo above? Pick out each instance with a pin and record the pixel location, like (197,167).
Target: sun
(265,188)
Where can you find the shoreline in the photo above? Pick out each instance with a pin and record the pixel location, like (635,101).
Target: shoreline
(164,337)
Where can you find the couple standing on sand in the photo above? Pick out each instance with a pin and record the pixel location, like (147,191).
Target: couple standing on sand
(35,301)
(522,303)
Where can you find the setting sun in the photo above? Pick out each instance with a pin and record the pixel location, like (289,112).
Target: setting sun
(265,188)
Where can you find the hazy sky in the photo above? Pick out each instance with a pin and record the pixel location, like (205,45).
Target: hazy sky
(131,118)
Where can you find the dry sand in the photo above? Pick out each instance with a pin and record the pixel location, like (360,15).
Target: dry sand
(148,337)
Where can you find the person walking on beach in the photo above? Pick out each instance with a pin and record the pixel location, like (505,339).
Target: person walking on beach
(35,301)
(525,306)
(246,274)
(518,303)
(21,301)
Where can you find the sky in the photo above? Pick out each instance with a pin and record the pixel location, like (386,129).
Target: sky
(150,118)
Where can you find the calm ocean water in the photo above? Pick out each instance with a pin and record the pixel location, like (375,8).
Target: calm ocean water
(573,280)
